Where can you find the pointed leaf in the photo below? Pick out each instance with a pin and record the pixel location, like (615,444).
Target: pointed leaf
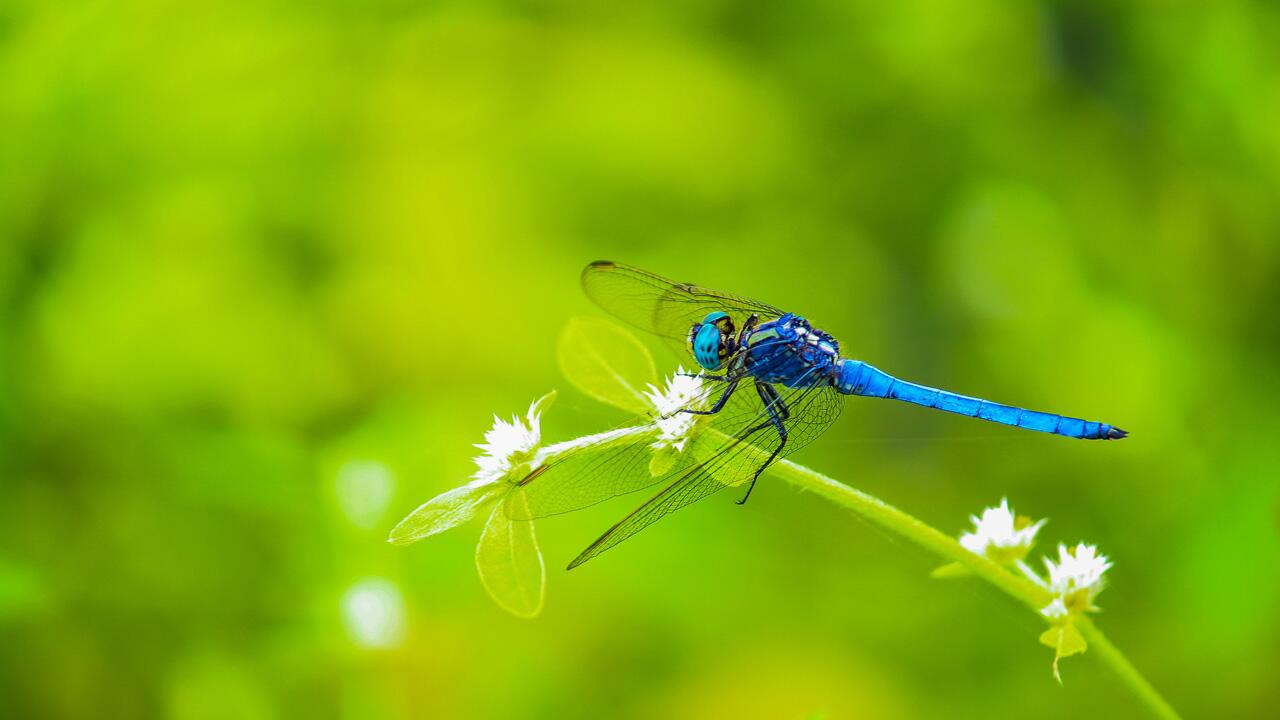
(1066,640)
(442,512)
(510,564)
(1072,642)
(607,362)
(541,404)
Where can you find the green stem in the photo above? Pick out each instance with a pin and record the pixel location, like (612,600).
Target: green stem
(1125,669)
(1030,594)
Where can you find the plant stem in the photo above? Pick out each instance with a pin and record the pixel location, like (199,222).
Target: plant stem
(1030,594)
(1125,669)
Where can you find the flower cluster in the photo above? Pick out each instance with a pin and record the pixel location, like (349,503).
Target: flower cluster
(1000,535)
(682,391)
(1073,581)
(507,556)
(508,445)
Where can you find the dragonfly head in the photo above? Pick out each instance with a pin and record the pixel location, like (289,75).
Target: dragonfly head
(712,341)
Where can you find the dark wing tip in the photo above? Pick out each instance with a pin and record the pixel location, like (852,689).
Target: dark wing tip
(598,266)
(1116,433)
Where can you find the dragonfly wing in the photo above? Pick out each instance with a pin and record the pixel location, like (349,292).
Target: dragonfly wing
(601,467)
(734,461)
(589,475)
(658,305)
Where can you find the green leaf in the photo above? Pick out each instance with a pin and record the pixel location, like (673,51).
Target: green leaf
(442,512)
(1066,640)
(607,362)
(951,571)
(510,564)
(662,461)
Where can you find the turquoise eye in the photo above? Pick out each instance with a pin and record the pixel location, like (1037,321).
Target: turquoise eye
(706,346)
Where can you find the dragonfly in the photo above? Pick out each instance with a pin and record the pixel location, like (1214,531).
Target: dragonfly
(771,383)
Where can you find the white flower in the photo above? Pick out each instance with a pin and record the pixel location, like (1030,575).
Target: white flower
(508,444)
(1055,609)
(1000,535)
(683,390)
(1075,580)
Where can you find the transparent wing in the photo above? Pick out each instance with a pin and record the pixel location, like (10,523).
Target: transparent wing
(657,305)
(592,475)
(733,460)
(601,467)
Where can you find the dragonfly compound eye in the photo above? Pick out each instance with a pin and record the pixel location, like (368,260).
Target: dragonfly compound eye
(712,341)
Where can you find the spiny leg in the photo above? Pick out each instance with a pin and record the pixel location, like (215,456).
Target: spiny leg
(724,398)
(717,378)
(778,412)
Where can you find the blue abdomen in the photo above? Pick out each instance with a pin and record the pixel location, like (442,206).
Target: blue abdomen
(855,377)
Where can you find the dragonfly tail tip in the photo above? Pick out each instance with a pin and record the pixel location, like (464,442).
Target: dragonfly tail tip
(1116,433)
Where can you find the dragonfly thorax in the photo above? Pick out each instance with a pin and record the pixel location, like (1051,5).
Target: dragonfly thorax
(791,352)
(713,340)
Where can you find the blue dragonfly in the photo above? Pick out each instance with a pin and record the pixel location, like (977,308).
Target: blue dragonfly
(793,375)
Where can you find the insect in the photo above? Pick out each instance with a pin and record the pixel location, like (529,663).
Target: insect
(770,383)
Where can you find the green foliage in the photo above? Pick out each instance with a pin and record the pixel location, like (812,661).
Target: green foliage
(1065,640)
(606,362)
(444,511)
(510,563)
(246,246)
(507,557)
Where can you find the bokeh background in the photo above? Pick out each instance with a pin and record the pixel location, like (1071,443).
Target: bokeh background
(268,269)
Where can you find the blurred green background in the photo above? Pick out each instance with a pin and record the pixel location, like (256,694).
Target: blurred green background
(269,268)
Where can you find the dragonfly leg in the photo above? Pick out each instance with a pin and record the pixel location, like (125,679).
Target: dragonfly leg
(778,413)
(724,398)
(717,378)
